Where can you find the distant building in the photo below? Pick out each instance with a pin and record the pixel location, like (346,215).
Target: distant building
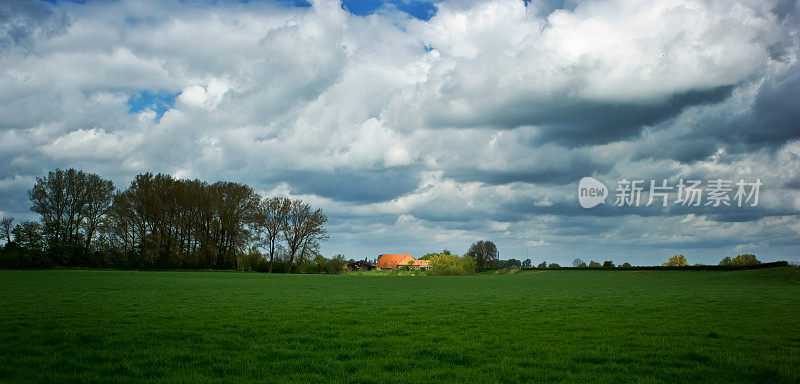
(360,266)
(420,264)
(394,261)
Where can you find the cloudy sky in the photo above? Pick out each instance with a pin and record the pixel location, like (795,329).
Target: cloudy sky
(417,125)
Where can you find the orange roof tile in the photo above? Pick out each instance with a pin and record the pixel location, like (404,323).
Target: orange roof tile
(392,260)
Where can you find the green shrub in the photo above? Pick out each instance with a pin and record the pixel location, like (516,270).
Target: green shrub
(335,265)
(676,261)
(253,261)
(745,260)
(451,265)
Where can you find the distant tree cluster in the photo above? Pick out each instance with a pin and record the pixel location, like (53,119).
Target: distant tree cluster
(740,261)
(161,222)
(578,263)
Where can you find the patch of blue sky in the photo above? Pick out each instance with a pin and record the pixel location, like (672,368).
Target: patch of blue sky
(290,3)
(63,1)
(419,9)
(159,101)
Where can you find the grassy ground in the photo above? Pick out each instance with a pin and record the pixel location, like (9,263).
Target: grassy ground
(578,326)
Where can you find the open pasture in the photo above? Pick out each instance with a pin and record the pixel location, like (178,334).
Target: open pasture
(548,326)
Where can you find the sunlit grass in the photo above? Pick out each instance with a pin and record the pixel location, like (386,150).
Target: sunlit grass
(579,326)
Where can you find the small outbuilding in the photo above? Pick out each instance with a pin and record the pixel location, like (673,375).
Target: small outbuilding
(360,266)
(419,264)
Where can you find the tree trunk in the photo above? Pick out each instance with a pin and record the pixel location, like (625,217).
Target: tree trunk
(271,254)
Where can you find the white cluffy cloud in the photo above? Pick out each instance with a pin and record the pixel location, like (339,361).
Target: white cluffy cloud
(207,97)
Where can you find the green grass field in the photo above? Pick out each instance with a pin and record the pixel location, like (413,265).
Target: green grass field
(551,326)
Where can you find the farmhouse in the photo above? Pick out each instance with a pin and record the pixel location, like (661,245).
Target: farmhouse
(395,260)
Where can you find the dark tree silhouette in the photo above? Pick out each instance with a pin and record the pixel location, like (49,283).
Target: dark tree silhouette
(485,254)
(6,225)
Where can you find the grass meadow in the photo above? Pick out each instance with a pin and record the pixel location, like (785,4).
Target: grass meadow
(550,326)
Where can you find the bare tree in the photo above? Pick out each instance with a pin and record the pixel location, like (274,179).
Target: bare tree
(301,227)
(272,219)
(6,224)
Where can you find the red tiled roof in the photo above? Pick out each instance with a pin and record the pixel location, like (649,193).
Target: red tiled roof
(392,260)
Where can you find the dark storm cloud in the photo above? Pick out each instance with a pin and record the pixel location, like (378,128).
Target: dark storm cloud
(14,197)
(774,117)
(352,186)
(556,173)
(524,208)
(439,214)
(528,207)
(686,149)
(788,11)
(573,122)
(769,122)
(24,23)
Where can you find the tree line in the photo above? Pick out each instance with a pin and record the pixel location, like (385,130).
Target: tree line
(160,222)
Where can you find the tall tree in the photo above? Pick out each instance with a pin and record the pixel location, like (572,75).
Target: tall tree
(272,219)
(48,200)
(238,214)
(100,193)
(485,254)
(301,228)
(71,204)
(6,225)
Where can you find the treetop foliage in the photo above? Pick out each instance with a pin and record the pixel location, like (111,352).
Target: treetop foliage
(745,260)
(676,261)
